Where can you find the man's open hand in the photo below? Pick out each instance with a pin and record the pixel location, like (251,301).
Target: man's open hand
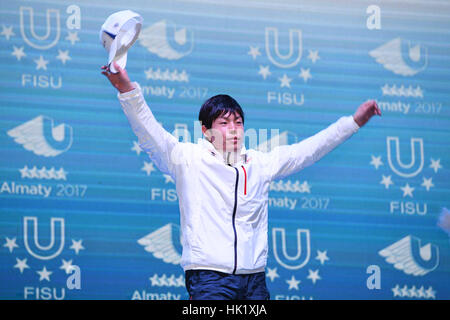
(119,80)
(365,112)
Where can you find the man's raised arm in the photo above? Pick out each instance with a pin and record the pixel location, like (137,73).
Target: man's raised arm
(152,137)
(289,159)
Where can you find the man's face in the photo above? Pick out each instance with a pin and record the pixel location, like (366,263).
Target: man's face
(226,132)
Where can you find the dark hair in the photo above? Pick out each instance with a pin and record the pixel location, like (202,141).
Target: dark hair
(215,106)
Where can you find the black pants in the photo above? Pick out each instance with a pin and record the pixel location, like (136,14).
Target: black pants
(214,285)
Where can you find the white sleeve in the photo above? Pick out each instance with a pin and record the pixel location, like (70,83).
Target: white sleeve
(152,137)
(289,159)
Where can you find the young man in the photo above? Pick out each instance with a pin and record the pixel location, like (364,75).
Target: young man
(223,187)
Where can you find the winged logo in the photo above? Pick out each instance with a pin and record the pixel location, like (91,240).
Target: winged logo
(163,243)
(400,57)
(163,39)
(408,255)
(42,137)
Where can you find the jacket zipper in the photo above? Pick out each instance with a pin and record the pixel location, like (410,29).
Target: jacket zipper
(234,218)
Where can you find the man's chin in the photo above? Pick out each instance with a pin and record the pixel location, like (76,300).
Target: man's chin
(233,147)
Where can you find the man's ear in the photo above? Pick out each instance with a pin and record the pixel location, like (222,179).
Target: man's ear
(205,132)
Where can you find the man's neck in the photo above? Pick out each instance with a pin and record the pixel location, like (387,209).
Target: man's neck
(230,157)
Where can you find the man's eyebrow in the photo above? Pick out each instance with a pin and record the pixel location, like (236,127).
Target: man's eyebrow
(236,117)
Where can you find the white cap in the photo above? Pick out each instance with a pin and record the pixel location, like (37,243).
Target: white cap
(118,33)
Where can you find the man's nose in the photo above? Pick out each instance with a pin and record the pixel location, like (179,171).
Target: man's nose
(232,126)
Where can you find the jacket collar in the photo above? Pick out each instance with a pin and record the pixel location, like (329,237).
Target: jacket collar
(223,155)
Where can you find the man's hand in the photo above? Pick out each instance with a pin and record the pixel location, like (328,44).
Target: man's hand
(119,80)
(365,112)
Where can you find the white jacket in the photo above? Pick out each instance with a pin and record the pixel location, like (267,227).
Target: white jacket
(223,207)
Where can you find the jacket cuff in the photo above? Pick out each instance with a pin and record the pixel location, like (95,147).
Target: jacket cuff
(352,124)
(130,94)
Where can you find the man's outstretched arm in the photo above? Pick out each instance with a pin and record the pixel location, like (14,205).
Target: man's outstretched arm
(289,159)
(152,137)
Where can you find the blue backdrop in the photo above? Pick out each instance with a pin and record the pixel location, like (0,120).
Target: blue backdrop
(85,214)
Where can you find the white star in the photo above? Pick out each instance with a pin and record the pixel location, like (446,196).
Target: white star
(430,293)
(180,281)
(155,280)
(405,292)
(7,32)
(322,256)
(148,167)
(77,246)
(396,291)
(254,52)
(264,71)
(10,244)
(313,55)
(163,280)
(184,76)
(386,90)
(421,292)
(21,264)
(32,173)
(386,181)
(412,292)
(52,174)
(285,81)
(18,53)
(313,275)
(24,172)
(418,92)
(293,283)
(136,148)
(305,187)
(67,266)
(407,191)
(376,161)
(44,274)
(43,173)
(168,178)
(435,165)
(73,37)
(60,174)
(171,280)
(427,183)
(305,74)
(41,63)
(63,56)
(272,274)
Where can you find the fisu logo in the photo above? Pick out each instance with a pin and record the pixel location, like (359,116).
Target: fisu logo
(303,248)
(411,169)
(406,158)
(41,30)
(52,34)
(294,54)
(34,248)
(283,66)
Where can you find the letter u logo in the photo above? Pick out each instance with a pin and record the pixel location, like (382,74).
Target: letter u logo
(31,238)
(426,257)
(301,258)
(417,158)
(415,57)
(182,40)
(58,137)
(292,58)
(51,36)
